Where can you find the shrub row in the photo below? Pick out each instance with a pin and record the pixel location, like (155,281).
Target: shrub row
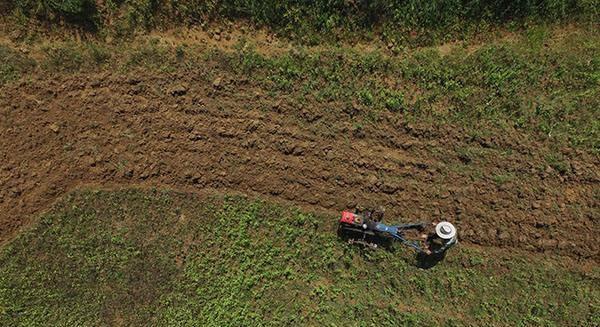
(298,17)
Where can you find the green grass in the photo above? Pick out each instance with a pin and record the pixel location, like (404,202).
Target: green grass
(14,64)
(399,22)
(547,93)
(64,57)
(502,179)
(558,163)
(135,257)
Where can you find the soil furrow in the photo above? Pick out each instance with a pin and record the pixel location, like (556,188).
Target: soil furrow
(69,129)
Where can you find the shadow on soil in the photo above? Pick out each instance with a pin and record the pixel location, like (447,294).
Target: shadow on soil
(425,261)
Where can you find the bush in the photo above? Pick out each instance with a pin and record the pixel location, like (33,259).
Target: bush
(76,11)
(310,19)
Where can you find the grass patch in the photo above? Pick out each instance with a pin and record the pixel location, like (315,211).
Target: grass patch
(79,13)
(151,55)
(399,22)
(504,86)
(501,179)
(14,64)
(99,53)
(66,57)
(547,93)
(163,258)
(469,154)
(558,163)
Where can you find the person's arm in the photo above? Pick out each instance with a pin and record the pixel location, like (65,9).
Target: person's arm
(447,245)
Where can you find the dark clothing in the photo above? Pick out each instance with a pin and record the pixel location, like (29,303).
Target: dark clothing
(371,224)
(438,245)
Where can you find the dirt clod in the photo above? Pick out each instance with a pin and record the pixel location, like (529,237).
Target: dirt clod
(54,127)
(217,83)
(178,90)
(309,155)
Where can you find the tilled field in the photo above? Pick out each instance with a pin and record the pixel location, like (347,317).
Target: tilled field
(186,130)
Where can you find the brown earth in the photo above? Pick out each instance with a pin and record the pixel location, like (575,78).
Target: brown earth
(182,130)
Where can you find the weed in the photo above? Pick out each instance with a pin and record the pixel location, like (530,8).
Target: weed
(98,53)
(558,163)
(465,155)
(366,97)
(104,257)
(358,130)
(82,12)
(63,57)
(549,94)
(394,100)
(150,55)
(180,53)
(13,64)
(501,179)
(311,22)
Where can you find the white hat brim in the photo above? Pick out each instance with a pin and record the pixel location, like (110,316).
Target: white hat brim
(438,230)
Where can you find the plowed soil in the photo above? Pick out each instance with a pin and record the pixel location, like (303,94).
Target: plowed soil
(184,131)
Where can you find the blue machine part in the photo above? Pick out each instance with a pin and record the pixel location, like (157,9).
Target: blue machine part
(394,231)
(386,228)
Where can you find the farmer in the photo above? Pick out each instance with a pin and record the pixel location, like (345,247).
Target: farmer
(441,239)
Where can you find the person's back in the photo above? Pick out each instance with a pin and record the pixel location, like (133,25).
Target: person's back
(441,239)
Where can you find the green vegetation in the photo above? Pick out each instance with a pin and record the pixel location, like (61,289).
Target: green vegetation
(65,57)
(75,11)
(163,258)
(14,64)
(559,163)
(502,179)
(410,21)
(136,257)
(543,84)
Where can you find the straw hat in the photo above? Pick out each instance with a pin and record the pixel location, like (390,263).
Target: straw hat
(445,230)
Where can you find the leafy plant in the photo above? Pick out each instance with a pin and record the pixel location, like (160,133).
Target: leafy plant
(13,64)
(63,56)
(131,256)
(78,11)
(410,21)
